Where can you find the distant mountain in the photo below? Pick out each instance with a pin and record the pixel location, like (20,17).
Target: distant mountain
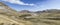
(49,11)
(38,12)
(53,11)
(24,11)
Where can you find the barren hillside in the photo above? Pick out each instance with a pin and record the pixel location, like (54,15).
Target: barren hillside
(9,16)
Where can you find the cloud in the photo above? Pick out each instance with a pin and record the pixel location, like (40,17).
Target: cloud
(18,2)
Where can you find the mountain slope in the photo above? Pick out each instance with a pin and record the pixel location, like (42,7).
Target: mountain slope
(7,10)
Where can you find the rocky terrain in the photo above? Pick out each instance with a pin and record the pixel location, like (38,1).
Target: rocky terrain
(9,16)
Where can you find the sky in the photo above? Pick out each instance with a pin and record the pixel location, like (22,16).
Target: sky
(32,5)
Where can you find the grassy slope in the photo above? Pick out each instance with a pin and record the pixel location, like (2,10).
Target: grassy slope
(46,19)
(4,19)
